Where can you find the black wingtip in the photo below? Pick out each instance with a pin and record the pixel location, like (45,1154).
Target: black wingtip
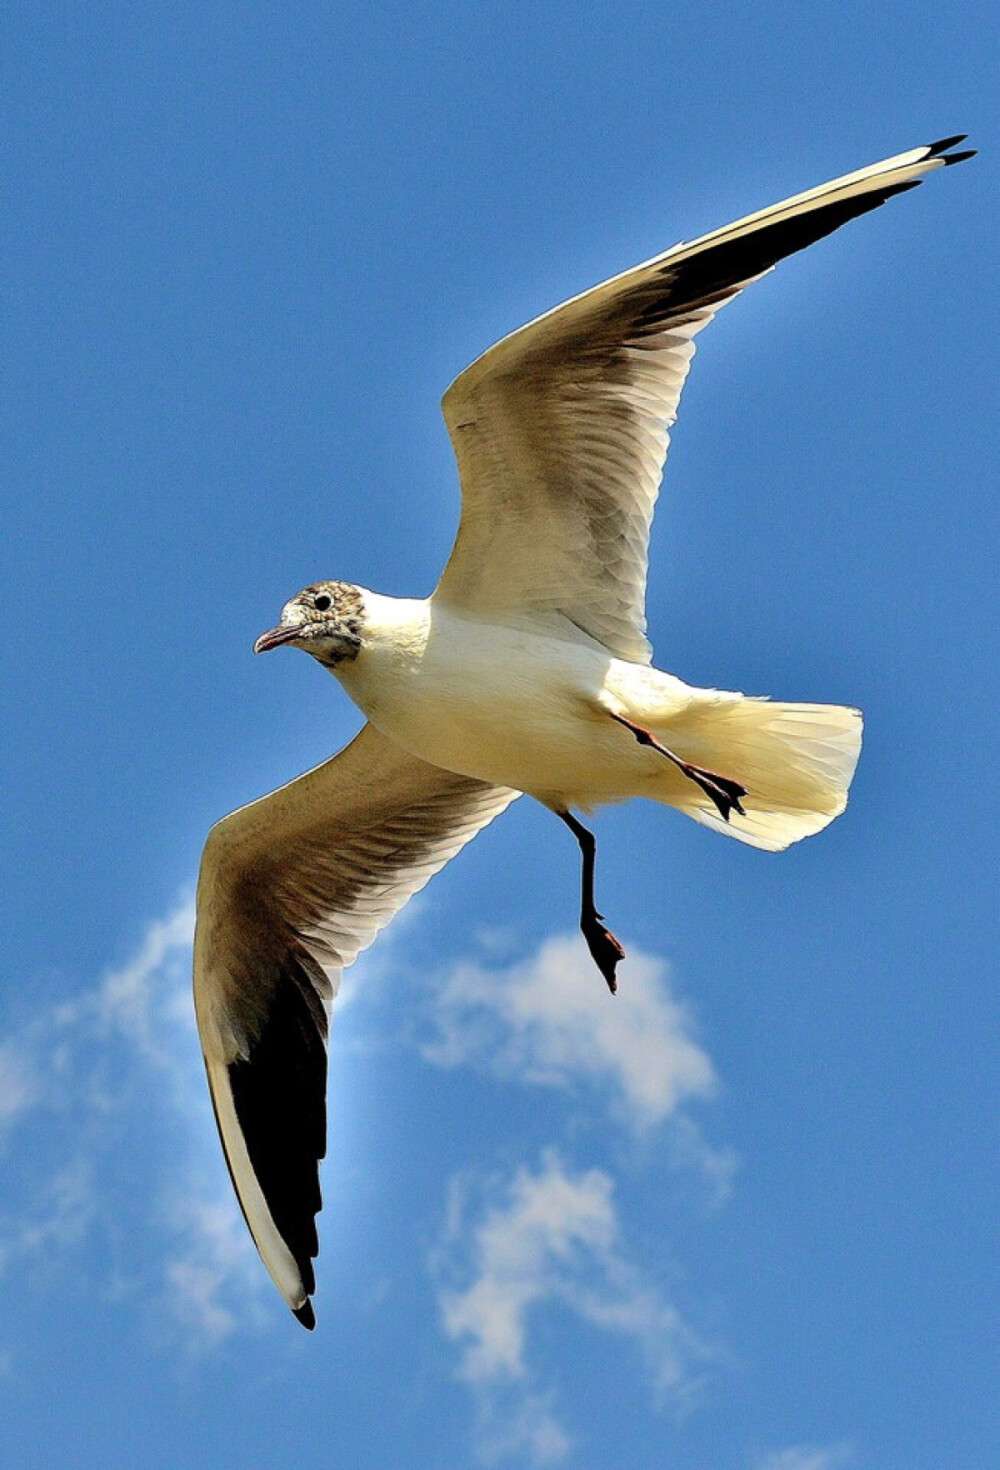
(305,1315)
(933,149)
(937,150)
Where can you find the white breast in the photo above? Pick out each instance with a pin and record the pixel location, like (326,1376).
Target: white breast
(501,703)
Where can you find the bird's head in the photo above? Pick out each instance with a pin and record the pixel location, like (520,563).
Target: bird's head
(325,619)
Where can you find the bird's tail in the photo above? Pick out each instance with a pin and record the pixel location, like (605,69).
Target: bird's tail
(795,761)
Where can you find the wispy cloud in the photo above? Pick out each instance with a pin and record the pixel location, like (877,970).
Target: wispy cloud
(148,999)
(516,1423)
(545,1237)
(807,1457)
(88,1075)
(57,1219)
(549,1022)
(18,1083)
(212,1279)
(121,1061)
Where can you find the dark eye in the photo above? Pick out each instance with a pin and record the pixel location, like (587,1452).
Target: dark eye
(321,603)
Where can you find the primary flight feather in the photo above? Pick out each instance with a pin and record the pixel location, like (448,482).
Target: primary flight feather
(528,670)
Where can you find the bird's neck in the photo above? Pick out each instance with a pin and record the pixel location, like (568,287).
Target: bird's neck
(394,622)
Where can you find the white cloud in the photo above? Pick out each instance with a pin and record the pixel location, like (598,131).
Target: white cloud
(526,1249)
(122,1058)
(807,1457)
(513,1423)
(550,1021)
(150,995)
(213,1280)
(60,1217)
(548,1237)
(18,1083)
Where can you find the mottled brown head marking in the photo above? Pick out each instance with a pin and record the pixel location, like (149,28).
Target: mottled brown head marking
(333,614)
(332,603)
(325,619)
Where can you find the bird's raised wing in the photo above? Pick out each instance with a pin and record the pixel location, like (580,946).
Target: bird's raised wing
(291,888)
(561,428)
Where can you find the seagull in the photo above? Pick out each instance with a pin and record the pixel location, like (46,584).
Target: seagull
(528,670)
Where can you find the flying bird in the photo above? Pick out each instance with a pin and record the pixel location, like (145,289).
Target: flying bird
(527,670)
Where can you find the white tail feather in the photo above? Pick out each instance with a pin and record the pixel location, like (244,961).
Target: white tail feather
(795,760)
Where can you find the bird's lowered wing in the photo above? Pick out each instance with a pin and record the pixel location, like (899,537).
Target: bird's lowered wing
(291,888)
(561,428)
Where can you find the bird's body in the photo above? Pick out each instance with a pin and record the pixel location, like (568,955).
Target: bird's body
(527,671)
(515,706)
(528,704)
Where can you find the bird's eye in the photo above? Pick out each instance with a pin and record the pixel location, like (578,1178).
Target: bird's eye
(321,603)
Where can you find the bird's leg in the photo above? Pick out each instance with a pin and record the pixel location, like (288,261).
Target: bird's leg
(602,944)
(725,792)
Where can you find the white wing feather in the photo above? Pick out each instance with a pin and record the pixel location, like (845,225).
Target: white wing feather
(561,429)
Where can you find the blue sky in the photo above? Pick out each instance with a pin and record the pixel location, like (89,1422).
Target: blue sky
(744,1217)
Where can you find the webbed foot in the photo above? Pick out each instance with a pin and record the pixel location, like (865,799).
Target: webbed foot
(724,792)
(606,950)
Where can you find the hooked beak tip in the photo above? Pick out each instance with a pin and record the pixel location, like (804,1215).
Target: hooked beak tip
(274,638)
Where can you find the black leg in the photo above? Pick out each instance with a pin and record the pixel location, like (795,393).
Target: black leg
(600,941)
(725,792)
